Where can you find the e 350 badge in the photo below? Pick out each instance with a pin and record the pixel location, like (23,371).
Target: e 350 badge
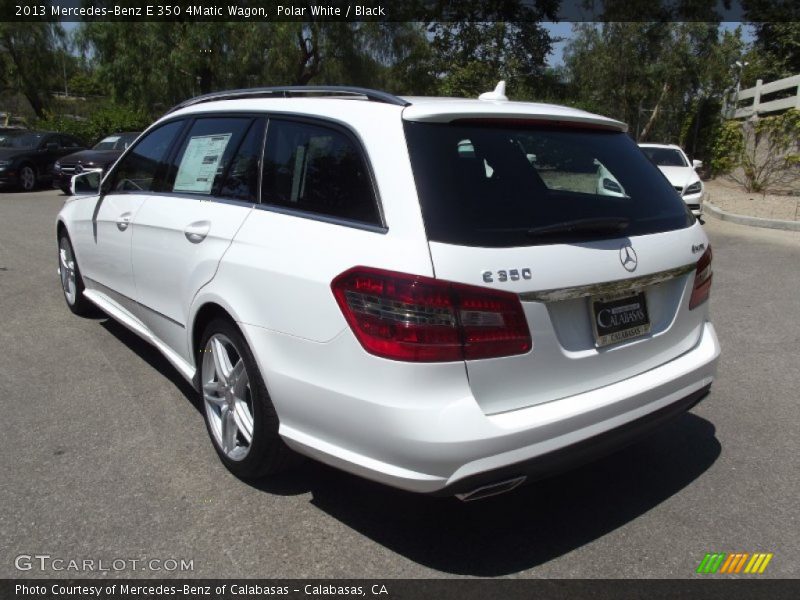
(506,275)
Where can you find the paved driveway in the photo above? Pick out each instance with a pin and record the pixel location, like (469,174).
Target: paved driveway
(104,455)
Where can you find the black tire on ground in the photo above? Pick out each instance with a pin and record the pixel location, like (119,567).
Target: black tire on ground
(268,454)
(78,304)
(27,178)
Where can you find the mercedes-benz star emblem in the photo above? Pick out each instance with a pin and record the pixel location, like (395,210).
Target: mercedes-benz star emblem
(628,258)
(79,168)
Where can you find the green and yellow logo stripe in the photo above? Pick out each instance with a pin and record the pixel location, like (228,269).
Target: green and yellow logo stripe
(737,562)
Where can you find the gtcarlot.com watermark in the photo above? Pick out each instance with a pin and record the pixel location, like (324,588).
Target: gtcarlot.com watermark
(48,563)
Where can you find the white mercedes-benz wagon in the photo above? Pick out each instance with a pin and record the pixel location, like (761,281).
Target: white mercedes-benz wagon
(444,295)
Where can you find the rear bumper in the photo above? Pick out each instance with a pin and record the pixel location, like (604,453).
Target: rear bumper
(418,428)
(581,452)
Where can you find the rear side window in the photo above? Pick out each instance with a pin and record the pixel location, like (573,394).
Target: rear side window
(319,170)
(204,155)
(504,185)
(137,171)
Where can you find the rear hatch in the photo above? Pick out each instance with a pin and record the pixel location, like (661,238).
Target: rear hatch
(574,219)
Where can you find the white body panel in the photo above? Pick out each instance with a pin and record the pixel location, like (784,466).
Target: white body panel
(105,241)
(564,360)
(418,426)
(169,268)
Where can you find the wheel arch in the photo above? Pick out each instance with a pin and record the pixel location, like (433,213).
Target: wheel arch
(61,227)
(207,310)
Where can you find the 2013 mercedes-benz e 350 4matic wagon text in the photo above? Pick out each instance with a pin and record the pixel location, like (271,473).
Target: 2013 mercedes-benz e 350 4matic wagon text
(443,295)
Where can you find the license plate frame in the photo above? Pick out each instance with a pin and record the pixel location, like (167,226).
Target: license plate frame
(625,317)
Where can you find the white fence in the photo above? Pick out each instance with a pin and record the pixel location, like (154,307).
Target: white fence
(758,107)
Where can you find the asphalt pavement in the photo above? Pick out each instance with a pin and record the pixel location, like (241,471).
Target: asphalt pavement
(104,456)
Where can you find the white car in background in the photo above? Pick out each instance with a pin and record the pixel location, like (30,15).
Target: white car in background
(430,293)
(680,171)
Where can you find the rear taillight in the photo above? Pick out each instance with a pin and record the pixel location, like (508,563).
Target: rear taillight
(420,319)
(702,280)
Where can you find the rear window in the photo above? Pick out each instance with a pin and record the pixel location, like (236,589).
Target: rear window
(504,185)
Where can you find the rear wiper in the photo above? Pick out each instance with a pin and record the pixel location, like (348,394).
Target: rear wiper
(598,225)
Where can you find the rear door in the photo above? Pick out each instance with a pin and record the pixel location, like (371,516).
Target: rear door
(182,232)
(578,223)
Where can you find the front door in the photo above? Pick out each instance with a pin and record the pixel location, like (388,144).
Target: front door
(106,264)
(181,234)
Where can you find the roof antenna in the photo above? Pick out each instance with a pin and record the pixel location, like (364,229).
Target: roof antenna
(499,93)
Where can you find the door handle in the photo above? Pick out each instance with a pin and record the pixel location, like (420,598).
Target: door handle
(196,232)
(123,221)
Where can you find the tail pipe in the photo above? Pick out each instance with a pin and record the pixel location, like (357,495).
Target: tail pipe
(493,489)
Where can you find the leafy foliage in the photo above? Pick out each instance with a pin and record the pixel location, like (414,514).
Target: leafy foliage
(654,76)
(775,53)
(760,154)
(31,56)
(469,58)
(104,121)
(728,148)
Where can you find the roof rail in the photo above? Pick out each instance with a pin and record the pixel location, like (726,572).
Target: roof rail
(293,90)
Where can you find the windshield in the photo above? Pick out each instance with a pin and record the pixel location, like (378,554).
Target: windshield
(504,185)
(665,157)
(20,140)
(116,142)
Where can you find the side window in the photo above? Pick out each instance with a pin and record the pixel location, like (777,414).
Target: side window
(138,170)
(241,179)
(316,169)
(204,155)
(68,142)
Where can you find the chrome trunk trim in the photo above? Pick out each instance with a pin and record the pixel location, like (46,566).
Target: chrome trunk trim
(607,288)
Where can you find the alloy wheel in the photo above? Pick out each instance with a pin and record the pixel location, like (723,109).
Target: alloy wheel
(227,397)
(66,268)
(27,178)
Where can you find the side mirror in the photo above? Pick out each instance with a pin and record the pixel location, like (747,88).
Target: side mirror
(86,184)
(696,164)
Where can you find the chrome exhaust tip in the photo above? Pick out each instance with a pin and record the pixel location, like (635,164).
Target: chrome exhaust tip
(493,489)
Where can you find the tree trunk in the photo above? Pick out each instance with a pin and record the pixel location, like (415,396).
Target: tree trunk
(654,116)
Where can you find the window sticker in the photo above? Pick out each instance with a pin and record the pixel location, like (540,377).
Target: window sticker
(200,163)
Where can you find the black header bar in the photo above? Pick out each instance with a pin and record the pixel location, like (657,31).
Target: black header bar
(399,10)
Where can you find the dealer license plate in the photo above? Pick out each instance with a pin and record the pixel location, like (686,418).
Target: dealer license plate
(619,318)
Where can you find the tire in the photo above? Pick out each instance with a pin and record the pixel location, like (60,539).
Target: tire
(224,349)
(27,178)
(71,279)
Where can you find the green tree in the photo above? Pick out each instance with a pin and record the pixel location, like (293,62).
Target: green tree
(760,154)
(470,57)
(775,52)
(654,76)
(33,56)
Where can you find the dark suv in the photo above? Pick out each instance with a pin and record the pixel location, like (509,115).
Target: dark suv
(27,157)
